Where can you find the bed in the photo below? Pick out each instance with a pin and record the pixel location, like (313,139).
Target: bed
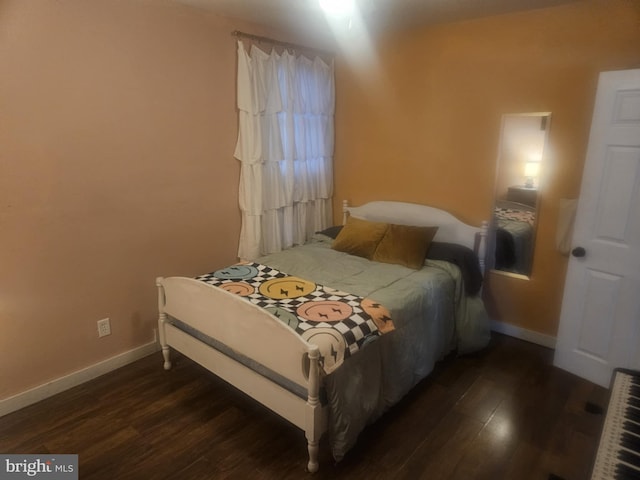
(515,226)
(334,388)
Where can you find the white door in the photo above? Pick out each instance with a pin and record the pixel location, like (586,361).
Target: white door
(600,319)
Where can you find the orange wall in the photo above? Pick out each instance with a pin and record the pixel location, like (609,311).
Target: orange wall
(423,124)
(117,131)
(117,128)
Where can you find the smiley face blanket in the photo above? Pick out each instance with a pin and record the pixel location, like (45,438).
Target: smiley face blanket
(339,323)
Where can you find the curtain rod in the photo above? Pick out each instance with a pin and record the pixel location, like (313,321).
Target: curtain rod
(258,38)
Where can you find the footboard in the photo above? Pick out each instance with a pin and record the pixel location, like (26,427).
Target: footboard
(252,333)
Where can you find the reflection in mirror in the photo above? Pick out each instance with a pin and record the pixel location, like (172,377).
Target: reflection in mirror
(521,158)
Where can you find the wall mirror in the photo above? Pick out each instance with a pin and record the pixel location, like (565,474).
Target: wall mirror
(521,159)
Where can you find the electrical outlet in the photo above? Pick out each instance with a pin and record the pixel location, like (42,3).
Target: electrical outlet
(104,327)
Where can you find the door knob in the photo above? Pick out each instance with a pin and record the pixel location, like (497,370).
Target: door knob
(578,252)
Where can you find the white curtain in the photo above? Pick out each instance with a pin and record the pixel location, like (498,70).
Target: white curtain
(285,146)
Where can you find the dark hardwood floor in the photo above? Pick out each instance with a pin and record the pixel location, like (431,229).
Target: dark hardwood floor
(503,414)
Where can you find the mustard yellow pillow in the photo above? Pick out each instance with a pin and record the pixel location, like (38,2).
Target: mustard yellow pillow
(405,245)
(359,237)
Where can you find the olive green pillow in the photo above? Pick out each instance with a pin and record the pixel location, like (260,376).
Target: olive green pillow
(359,237)
(405,245)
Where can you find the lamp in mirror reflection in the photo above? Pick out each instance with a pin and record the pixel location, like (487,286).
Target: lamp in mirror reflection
(531,171)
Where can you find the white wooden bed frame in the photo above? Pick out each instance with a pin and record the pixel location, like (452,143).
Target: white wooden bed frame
(252,332)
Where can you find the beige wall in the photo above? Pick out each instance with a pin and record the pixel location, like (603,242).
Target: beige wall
(117,130)
(424,126)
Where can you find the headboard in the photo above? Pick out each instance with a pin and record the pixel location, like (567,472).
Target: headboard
(450,229)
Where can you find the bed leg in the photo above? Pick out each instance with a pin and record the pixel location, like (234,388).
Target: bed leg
(314,418)
(166,351)
(313,449)
(162,318)
(166,354)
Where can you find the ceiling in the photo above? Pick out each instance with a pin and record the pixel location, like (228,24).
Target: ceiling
(305,16)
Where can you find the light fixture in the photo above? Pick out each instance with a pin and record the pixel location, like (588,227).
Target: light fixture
(337,8)
(531,171)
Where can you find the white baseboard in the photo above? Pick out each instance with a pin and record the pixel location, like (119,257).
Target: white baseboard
(523,334)
(24,399)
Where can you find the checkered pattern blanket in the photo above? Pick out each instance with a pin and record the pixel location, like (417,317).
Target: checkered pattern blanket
(338,322)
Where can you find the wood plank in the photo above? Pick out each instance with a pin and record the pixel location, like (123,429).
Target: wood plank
(503,413)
